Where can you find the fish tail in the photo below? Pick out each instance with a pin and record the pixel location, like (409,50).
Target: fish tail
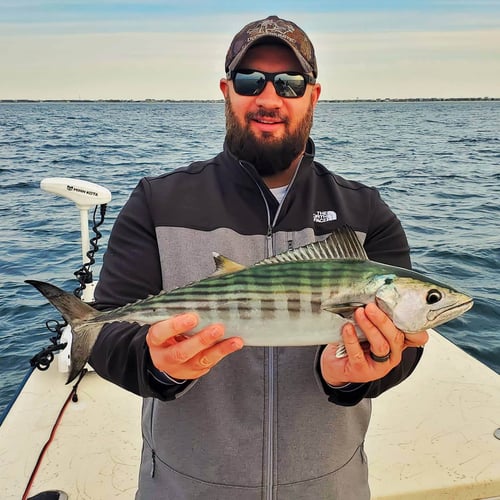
(77,314)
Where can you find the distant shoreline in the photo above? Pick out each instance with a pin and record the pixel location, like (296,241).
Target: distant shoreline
(153,101)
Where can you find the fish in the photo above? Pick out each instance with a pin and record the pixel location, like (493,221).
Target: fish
(297,298)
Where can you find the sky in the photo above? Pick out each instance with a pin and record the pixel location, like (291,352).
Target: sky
(153,49)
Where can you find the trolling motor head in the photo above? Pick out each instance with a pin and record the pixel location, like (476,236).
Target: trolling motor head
(83,193)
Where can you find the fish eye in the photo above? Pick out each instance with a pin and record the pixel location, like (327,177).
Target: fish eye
(434,296)
(388,281)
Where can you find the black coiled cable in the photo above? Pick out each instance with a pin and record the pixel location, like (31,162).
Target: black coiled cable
(84,274)
(43,359)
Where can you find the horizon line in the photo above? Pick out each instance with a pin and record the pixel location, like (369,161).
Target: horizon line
(154,100)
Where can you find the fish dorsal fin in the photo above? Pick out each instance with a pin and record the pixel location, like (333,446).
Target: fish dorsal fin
(341,244)
(223,265)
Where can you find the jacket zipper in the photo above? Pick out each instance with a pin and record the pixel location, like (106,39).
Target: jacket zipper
(269,485)
(269,445)
(270,426)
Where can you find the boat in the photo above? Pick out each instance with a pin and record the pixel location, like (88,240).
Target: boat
(435,436)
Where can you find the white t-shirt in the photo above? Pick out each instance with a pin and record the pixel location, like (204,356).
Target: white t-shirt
(279,192)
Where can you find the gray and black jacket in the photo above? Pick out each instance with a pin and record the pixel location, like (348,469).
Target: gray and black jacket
(262,424)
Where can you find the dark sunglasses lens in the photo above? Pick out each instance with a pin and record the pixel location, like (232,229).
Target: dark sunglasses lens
(285,84)
(289,85)
(249,83)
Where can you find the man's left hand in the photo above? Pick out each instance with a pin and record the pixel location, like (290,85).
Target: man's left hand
(383,339)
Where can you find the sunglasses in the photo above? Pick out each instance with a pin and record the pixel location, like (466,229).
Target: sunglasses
(289,84)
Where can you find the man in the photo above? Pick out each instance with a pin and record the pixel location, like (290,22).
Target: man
(221,421)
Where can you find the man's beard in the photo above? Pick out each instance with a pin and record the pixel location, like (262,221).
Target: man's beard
(268,155)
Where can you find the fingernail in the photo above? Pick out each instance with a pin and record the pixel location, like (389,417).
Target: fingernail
(214,331)
(184,322)
(348,329)
(236,344)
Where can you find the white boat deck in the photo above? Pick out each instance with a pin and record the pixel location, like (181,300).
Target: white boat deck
(96,449)
(430,438)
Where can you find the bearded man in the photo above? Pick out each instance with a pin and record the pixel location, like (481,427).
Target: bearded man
(221,420)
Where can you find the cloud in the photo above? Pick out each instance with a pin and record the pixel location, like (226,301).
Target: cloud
(361,54)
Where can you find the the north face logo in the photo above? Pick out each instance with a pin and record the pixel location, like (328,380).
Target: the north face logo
(324,216)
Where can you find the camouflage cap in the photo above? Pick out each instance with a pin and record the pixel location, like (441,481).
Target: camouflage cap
(280,30)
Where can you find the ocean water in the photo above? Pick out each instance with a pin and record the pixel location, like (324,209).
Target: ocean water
(437,164)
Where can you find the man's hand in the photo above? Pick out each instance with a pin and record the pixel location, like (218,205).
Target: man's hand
(188,357)
(383,338)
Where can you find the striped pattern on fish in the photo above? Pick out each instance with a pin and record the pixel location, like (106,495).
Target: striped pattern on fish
(259,302)
(300,297)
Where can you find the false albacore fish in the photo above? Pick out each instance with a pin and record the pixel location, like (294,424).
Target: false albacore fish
(300,297)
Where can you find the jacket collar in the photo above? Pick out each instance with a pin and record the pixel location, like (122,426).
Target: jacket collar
(250,169)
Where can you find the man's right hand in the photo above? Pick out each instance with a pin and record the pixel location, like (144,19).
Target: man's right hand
(186,357)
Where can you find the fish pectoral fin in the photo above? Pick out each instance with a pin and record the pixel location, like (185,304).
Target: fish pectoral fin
(346,310)
(223,265)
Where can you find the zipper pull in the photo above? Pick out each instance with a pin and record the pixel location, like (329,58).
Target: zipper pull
(269,242)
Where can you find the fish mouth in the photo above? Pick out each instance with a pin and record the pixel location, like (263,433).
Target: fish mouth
(456,310)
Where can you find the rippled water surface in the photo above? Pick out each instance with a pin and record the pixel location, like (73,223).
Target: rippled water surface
(437,164)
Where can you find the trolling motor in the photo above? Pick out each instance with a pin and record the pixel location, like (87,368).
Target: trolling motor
(84,195)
